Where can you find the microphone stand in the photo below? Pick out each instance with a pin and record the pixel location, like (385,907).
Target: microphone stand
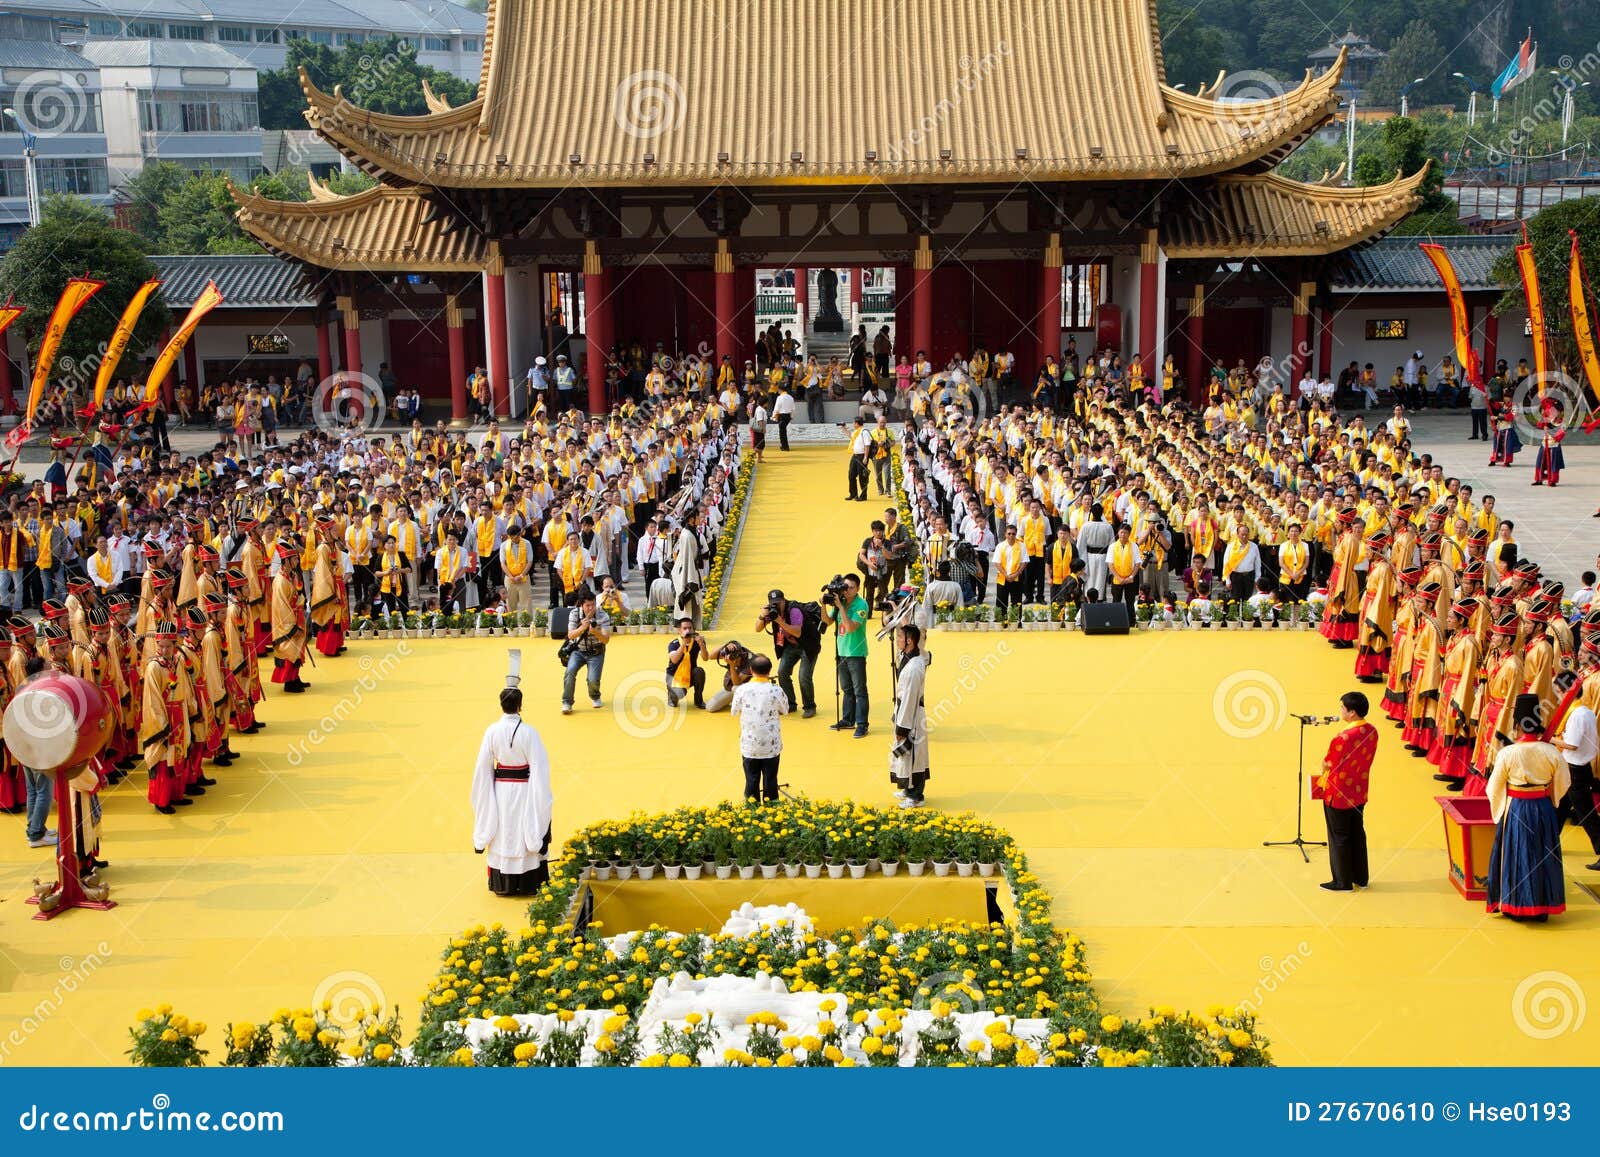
(1299,840)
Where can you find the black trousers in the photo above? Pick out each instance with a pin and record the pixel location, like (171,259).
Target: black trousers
(1128,594)
(783,431)
(1480,425)
(652,571)
(1033,580)
(858,477)
(1578,804)
(761,778)
(1347,844)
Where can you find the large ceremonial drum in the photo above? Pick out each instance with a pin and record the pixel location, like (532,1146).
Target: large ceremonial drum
(57,721)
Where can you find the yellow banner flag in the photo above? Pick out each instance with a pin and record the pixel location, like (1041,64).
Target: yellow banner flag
(1583,327)
(1465,356)
(8,314)
(78,291)
(119,339)
(1530,289)
(210,297)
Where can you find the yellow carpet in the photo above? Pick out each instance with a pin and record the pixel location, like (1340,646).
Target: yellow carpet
(340,867)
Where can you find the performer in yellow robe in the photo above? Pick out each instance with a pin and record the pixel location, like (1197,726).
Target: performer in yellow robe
(1427,671)
(1458,699)
(288,622)
(1539,658)
(1502,683)
(238,624)
(164,724)
(1394,692)
(1339,615)
(1373,633)
(326,619)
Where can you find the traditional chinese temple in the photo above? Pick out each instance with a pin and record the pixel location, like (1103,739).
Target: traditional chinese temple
(1021,166)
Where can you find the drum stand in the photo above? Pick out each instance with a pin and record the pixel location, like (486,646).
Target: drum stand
(68,892)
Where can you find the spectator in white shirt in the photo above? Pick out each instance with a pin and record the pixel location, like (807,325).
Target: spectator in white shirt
(1579,743)
(783,411)
(760,705)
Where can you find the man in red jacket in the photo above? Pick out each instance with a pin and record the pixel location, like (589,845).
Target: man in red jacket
(1342,788)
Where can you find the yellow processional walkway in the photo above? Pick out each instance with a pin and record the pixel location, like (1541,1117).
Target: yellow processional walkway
(1140,774)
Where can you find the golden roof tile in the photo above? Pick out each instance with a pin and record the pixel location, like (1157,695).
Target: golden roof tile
(381,229)
(766,92)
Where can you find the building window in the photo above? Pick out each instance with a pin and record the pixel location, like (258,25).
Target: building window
(144,30)
(233,34)
(293,34)
(45,108)
(266,36)
(343,38)
(186,32)
(102,27)
(435,44)
(319,37)
(240,169)
(198,111)
(85,176)
(469,44)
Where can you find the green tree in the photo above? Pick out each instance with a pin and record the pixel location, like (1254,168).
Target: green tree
(140,198)
(379,74)
(1552,246)
(74,238)
(199,218)
(1415,53)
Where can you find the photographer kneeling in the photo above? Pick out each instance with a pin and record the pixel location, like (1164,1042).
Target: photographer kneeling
(844,607)
(796,640)
(735,659)
(684,673)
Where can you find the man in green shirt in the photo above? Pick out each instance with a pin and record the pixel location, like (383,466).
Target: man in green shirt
(849,613)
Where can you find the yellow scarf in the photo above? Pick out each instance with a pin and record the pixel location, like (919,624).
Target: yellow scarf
(516,562)
(1122,560)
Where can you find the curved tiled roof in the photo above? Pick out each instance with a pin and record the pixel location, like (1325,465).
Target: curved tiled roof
(1396,264)
(381,229)
(661,91)
(247,281)
(1271,216)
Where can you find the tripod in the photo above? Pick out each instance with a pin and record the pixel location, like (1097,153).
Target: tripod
(1299,840)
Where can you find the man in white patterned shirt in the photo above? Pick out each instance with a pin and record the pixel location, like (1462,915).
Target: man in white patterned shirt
(760,705)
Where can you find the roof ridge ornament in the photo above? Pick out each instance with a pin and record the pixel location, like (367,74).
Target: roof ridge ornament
(435,102)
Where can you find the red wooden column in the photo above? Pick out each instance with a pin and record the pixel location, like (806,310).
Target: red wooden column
(1195,364)
(324,351)
(922,297)
(191,366)
(1491,343)
(1325,342)
(596,326)
(494,306)
(350,318)
(1048,323)
(856,289)
(802,273)
(1300,336)
(1149,302)
(727,320)
(456,340)
(8,401)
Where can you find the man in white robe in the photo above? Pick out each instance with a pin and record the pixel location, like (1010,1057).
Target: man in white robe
(511,802)
(908,758)
(686,584)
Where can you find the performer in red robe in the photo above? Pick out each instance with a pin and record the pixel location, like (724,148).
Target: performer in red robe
(1342,788)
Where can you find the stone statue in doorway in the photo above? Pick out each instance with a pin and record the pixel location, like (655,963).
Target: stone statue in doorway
(828,318)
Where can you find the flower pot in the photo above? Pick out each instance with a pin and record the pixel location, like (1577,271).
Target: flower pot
(747,871)
(674,870)
(769,871)
(813,871)
(691,871)
(987,869)
(858,871)
(602,871)
(873,863)
(941,867)
(889,867)
(916,867)
(724,871)
(963,868)
(624,871)
(792,871)
(836,871)
(647,871)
